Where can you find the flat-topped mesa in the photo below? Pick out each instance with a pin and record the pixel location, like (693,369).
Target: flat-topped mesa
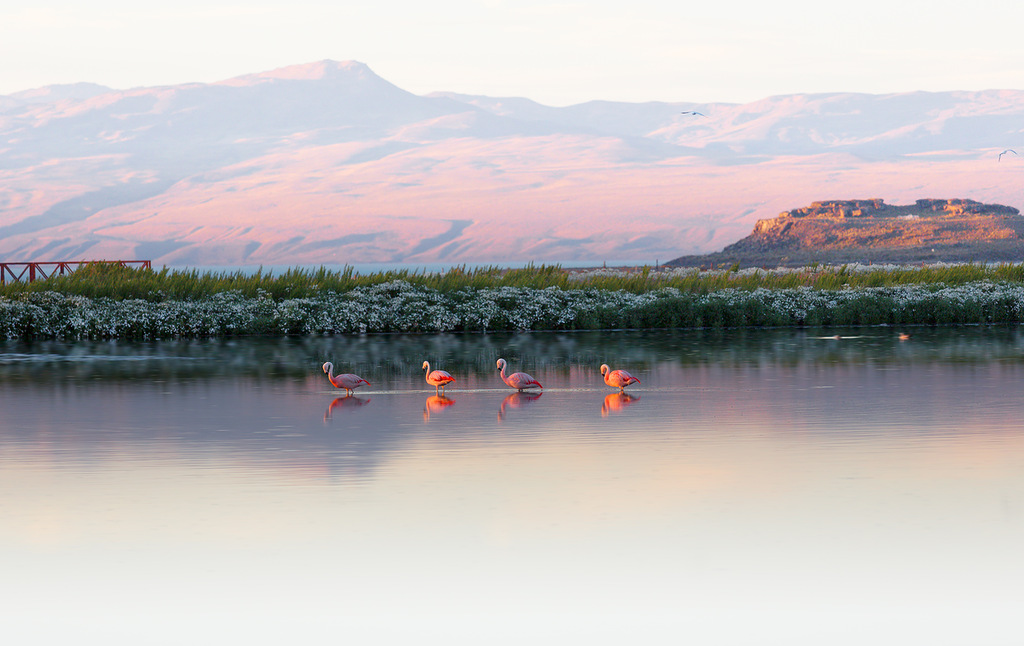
(870,230)
(838,209)
(876,207)
(965,207)
(833,225)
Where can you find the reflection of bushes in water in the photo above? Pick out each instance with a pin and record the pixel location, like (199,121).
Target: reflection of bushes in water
(398,355)
(394,356)
(400,306)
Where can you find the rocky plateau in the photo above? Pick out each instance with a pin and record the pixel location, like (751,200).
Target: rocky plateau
(869,230)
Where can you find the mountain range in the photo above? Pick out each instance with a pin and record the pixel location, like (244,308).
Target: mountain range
(329,163)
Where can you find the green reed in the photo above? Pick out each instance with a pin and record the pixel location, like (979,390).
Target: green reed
(113,281)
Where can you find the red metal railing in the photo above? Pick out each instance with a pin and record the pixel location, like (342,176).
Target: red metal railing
(16,272)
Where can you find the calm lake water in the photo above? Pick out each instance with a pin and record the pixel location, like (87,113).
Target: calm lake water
(758,487)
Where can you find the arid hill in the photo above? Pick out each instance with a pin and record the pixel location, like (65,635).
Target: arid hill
(329,163)
(840,231)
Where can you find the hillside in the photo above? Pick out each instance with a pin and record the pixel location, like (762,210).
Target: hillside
(841,231)
(329,163)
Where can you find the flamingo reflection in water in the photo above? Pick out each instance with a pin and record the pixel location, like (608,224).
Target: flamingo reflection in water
(617,378)
(348,381)
(435,404)
(615,402)
(517,400)
(346,402)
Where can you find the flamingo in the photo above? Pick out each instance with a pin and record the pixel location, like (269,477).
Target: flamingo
(437,378)
(347,381)
(617,378)
(517,380)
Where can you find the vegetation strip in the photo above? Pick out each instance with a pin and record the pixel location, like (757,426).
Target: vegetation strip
(145,304)
(160,285)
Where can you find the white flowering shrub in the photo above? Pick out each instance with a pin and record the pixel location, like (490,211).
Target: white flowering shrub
(399,306)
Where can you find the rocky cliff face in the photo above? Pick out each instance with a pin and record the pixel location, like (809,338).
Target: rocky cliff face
(871,230)
(877,208)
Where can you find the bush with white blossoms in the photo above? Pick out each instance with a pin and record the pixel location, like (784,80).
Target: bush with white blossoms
(399,306)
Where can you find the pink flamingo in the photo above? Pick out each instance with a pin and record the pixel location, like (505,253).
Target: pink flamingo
(437,378)
(347,381)
(517,380)
(617,378)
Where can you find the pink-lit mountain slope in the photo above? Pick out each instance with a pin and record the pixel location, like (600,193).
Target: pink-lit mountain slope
(329,163)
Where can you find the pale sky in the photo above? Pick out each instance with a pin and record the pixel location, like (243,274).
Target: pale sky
(555,52)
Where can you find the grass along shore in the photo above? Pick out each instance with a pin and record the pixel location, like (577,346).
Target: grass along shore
(113,281)
(105,301)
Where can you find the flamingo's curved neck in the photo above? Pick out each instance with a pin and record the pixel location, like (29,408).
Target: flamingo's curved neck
(507,380)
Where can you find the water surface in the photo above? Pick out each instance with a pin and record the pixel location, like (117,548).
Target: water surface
(768,487)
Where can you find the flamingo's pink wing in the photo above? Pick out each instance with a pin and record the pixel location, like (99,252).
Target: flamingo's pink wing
(349,380)
(522,380)
(622,378)
(439,377)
